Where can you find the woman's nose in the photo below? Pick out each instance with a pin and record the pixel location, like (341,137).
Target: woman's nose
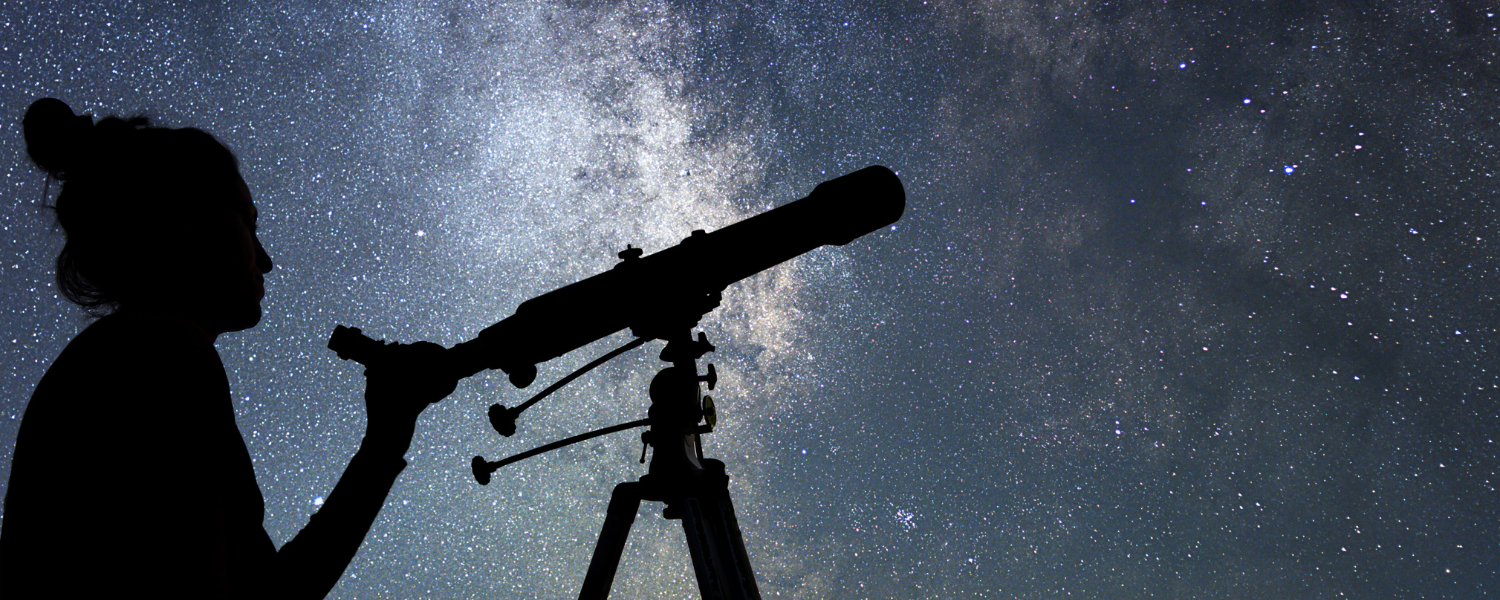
(262,258)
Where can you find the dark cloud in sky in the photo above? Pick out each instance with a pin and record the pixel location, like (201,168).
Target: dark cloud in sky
(1188,302)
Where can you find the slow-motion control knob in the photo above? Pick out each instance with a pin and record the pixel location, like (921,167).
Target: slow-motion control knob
(711,378)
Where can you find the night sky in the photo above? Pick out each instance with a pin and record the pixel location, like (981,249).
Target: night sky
(1186,303)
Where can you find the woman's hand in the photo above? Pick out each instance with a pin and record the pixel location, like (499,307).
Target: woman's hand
(406,379)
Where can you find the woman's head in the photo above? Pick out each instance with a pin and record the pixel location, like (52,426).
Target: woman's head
(155,218)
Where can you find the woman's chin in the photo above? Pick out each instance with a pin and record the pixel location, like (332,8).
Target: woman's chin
(242,320)
(252,318)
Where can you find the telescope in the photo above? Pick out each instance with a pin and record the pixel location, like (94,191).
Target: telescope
(661,296)
(668,290)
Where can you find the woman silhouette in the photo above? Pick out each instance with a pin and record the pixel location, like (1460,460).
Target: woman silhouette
(129,474)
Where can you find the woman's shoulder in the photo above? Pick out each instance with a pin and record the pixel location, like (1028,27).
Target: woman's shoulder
(140,338)
(122,355)
(123,382)
(147,328)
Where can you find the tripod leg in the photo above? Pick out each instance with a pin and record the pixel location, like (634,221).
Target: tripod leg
(718,546)
(732,541)
(703,550)
(623,504)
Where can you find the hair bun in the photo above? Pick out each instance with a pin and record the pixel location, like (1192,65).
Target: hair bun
(54,135)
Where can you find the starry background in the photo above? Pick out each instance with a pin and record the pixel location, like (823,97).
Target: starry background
(1186,303)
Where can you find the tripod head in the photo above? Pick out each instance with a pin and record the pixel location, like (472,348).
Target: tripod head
(676,411)
(677,408)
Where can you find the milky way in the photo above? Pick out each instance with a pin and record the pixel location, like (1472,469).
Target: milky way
(1186,302)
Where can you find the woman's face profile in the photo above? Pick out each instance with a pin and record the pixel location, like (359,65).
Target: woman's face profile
(248,261)
(215,275)
(245,264)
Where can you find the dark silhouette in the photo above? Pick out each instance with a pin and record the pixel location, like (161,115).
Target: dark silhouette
(655,296)
(662,296)
(130,475)
(129,472)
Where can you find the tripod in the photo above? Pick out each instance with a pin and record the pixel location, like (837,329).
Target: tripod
(694,489)
(713,534)
(666,292)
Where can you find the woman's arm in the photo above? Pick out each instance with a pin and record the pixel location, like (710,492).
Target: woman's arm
(396,392)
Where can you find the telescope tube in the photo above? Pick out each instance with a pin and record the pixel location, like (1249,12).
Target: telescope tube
(667,292)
